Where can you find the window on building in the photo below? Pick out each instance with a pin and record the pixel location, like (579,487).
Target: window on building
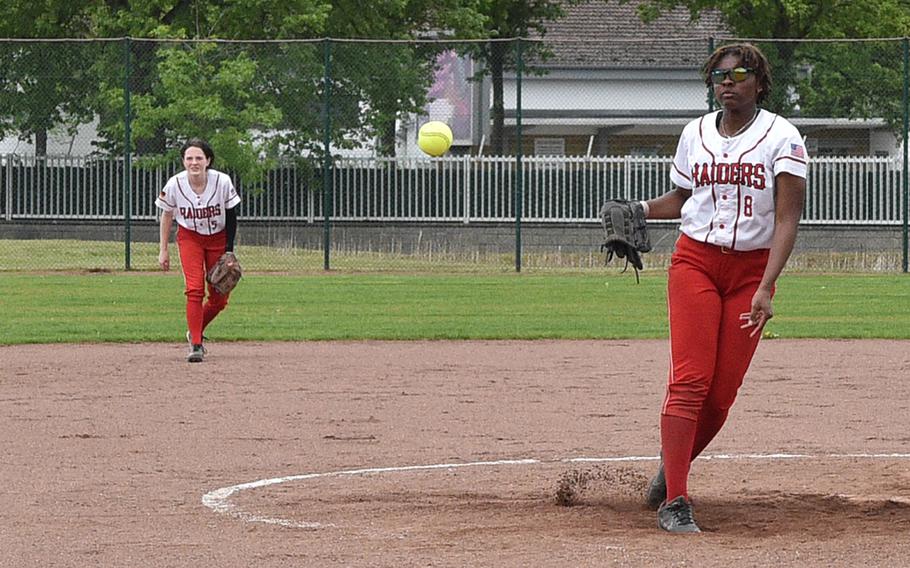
(549,147)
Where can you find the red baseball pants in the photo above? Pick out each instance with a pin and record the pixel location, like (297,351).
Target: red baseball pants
(709,293)
(197,254)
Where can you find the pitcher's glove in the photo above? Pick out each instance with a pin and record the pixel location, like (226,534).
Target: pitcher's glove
(225,274)
(625,232)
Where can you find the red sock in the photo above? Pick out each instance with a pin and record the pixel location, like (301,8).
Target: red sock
(194,318)
(208,314)
(215,304)
(709,424)
(677,436)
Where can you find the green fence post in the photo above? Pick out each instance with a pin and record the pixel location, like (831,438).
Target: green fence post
(710,89)
(906,101)
(127,148)
(519,187)
(327,158)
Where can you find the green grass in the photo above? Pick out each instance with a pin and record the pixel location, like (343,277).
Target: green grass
(79,255)
(133,307)
(18,255)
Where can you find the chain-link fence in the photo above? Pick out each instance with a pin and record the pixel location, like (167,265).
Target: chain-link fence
(321,138)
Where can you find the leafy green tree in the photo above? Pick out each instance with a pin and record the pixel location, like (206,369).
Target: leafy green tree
(372,85)
(43,84)
(503,19)
(220,91)
(284,90)
(844,79)
(203,91)
(225,19)
(392,79)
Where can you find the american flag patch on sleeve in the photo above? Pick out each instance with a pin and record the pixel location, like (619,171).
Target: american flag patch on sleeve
(797,151)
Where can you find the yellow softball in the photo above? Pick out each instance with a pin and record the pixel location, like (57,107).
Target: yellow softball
(434,138)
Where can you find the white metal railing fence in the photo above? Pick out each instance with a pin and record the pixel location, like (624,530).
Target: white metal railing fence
(467,189)
(855,190)
(481,188)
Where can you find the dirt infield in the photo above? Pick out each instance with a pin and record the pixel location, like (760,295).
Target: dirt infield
(511,453)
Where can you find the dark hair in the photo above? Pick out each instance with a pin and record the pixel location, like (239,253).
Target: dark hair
(750,56)
(202,145)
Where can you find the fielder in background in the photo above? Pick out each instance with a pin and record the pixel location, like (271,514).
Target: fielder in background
(740,183)
(204,202)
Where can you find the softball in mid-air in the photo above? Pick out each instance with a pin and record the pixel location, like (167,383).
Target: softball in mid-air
(434,138)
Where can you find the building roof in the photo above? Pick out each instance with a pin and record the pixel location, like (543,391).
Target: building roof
(602,34)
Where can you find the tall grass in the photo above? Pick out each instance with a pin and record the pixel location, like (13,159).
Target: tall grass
(78,255)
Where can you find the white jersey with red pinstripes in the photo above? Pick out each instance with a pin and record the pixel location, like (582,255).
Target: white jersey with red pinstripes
(204,213)
(732,179)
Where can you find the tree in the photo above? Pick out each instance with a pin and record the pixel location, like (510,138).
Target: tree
(503,19)
(220,91)
(42,84)
(206,92)
(372,85)
(370,91)
(199,19)
(854,80)
(391,79)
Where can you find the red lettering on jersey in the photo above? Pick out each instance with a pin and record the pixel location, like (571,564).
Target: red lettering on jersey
(201,212)
(705,176)
(746,174)
(735,174)
(758,176)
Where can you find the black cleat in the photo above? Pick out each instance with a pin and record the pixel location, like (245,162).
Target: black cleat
(196,354)
(189,339)
(676,517)
(657,489)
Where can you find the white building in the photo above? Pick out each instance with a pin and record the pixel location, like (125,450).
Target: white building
(613,86)
(617,86)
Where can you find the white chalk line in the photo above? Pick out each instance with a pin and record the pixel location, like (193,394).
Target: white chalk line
(219,500)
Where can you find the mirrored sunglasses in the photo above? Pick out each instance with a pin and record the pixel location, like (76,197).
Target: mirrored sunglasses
(737,74)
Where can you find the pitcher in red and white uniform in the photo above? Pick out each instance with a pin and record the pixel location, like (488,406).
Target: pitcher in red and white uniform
(740,183)
(203,201)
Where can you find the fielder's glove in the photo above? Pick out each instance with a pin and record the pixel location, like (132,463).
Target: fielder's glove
(625,232)
(225,274)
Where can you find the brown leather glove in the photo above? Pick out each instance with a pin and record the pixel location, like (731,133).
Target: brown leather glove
(225,274)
